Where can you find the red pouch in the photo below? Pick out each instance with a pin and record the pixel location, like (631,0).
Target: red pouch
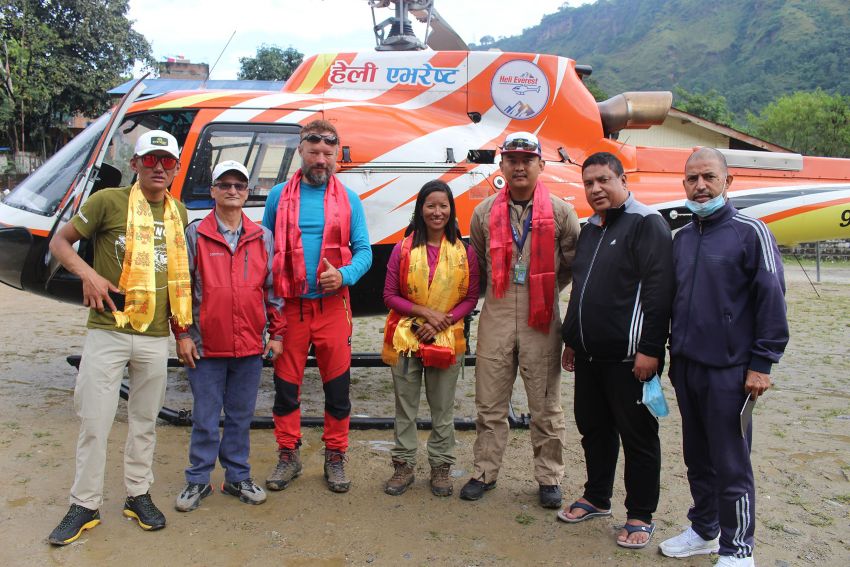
(436,356)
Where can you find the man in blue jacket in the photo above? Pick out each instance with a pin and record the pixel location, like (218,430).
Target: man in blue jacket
(728,328)
(614,333)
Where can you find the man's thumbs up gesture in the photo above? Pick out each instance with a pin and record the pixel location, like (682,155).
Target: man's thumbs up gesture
(329,279)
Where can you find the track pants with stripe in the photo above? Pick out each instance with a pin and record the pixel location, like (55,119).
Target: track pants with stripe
(716,455)
(326,323)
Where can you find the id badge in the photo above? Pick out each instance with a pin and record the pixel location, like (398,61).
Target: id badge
(520,273)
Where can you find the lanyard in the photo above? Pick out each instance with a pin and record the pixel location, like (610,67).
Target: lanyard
(526,228)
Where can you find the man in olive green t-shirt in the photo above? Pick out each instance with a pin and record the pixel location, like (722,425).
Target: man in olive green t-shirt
(109,349)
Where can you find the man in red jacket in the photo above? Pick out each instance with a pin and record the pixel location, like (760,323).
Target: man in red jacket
(230,259)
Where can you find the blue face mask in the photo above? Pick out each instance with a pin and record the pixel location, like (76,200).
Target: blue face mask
(703,210)
(653,398)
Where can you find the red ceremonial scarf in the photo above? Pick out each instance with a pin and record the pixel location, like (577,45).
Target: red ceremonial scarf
(541,277)
(290,273)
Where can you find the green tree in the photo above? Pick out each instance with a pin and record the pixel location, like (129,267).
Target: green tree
(813,123)
(599,94)
(59,57)
(271,63)
(710,105)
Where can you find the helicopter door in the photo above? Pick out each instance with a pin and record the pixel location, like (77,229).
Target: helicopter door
(89,175)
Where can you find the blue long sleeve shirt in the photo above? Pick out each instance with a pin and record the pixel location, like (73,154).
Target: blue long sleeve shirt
(311,222)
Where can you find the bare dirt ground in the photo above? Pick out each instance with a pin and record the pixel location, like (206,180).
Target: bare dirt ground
(801,460)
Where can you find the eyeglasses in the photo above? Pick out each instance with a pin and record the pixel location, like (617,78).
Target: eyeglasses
(330,139)
(521,144)
(150,161)
(227,186)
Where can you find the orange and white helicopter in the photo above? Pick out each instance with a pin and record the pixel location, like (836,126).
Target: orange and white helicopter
(407,113)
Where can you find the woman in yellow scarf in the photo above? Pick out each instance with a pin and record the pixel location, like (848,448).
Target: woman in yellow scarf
(431,285)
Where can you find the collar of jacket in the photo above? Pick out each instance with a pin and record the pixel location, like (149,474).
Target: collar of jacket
(612,214)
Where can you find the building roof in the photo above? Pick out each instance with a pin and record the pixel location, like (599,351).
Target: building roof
(726,131)
(160,86)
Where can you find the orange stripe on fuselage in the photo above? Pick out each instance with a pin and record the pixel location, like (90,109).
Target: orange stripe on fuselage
(801,210)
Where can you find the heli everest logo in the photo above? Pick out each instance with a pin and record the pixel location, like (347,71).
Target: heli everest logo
(520,89)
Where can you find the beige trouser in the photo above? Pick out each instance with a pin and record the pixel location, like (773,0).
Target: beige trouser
(506,344)
(105,354)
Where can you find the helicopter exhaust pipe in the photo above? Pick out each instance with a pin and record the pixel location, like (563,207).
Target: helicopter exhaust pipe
(634,110)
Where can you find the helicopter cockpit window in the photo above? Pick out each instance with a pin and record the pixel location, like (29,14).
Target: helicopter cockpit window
(267,150)
(175,122)
(42,191)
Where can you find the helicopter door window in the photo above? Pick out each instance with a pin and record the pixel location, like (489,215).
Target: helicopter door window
(267,150)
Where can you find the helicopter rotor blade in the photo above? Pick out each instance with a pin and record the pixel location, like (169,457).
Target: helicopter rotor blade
(442,36)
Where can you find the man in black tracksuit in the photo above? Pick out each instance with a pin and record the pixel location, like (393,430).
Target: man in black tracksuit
(615,332)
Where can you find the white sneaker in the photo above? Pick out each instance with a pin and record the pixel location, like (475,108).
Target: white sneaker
(731,561)
(689,543)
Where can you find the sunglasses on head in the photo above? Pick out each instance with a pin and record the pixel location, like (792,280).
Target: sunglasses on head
(239,186)
(329,139)
(520,144)
(150,161)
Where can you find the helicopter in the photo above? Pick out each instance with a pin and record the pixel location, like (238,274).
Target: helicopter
(411,111)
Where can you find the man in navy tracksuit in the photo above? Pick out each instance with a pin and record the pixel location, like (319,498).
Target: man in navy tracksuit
(728,327)
(615,333)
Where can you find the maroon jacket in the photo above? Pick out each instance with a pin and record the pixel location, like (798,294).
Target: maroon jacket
(232,291)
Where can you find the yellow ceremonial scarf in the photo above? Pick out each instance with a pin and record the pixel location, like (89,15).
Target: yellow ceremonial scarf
(138,276)
(448,288)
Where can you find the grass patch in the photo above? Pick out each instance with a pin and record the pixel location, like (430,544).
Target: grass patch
(525,519)
(843,498)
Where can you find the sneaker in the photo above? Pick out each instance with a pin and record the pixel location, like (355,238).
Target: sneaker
(401,480)
(76,521)
(732,561)
(475,489)
(191,496)
(245,490)
(144,511)
(335,471)
(550,495)
(689,543)
(441,480)
(287,469)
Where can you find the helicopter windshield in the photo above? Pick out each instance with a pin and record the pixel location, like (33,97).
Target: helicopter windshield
(42,191)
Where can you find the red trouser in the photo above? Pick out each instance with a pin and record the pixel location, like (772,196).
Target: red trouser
(326,323)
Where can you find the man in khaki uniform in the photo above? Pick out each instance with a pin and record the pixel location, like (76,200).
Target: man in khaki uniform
(525,241)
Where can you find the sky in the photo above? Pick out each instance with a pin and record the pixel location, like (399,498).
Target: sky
(199,29)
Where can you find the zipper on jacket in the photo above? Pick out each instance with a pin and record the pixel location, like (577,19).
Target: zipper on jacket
(245,269)
(583,286)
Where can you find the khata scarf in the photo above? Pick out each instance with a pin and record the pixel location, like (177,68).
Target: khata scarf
(541,278)
(448,288)
(290,273)
(138,275)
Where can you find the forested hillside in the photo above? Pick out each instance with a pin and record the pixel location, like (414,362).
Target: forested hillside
(750,51)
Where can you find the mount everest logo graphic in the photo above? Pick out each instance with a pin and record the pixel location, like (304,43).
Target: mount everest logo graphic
(520,89)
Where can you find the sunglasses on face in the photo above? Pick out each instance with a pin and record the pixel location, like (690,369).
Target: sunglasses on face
(239,186)
(150,161)
(329,139)
(520,144)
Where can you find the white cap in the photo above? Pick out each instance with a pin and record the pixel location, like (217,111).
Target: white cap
(522,142)
(157,140)
(230,165)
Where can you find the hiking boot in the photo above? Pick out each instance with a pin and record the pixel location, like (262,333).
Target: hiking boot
(245,490)
(144,511)
(288,467)
(550,495)
(689,543)
(191,496)
(76,521)
(335,471)
(441,480)
(475,489)
(402,478)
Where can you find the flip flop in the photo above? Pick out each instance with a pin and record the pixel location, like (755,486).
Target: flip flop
(592,512)
(630,529)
